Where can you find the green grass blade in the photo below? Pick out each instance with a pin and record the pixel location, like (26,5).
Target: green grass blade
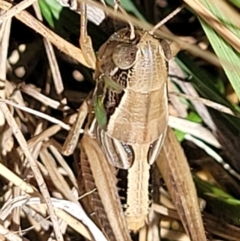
(229,58)
(235,2)
(130,7)
(218,200)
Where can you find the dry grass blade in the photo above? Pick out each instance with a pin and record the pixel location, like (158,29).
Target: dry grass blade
(64,165)
(4,40)
(59,42)
(16,9)
(27,188)
(47,133)
(41,136)
(188,89)
(73,136)
(22,142)
(206,102)
(37,113)
(224,50)
(219,27)
(70,207)
(10,235)
(213,154)
(51,57)
(212,224)
(57,179)
(6,141)
(31,91)
(178,105)
(193,128)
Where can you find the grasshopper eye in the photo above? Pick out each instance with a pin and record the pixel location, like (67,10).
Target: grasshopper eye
(125,55)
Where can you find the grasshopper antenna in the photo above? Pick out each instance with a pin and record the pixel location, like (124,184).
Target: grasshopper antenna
(171,15)
(117,5)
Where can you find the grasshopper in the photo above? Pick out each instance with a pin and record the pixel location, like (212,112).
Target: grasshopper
(131,107)
(133,145)
(129,127)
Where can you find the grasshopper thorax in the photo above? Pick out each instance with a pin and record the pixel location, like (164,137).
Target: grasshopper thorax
(131,91)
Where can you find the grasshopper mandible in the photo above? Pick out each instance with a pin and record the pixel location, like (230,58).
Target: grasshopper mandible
(131,106)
